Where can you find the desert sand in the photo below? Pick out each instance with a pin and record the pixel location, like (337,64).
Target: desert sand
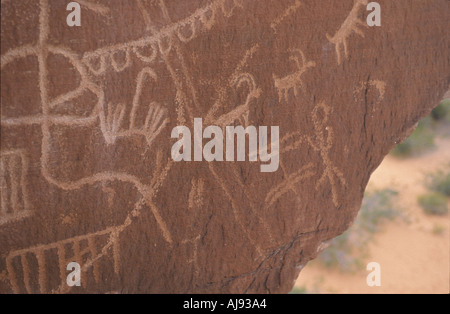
(413,258)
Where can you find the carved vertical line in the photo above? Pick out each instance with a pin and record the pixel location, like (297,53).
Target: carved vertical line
(26,272)
(146,16)
(234,206)
(140,81)
(116,250)
(93,251)
(23,178)
(4,187)
(13,174)
(77,252)
(165,231)
(62,263)
(40,256)
(12,275)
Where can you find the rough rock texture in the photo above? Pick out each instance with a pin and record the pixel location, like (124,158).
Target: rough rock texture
(87,114)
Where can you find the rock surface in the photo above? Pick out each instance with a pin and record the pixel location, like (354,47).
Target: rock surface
(87,112)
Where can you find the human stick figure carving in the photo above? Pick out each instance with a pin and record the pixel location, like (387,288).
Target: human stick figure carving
(290,142)
(322,142)
(349,26)
(293,81)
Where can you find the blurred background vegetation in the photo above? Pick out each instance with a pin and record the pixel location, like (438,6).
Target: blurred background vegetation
(422,139)
(347,253)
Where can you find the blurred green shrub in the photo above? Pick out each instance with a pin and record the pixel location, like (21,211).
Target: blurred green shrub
(343,254)
(442,110)
(348,251)
(298,290)
(433,203)
(376,207)
(438,229)
(439,181)
(421,140)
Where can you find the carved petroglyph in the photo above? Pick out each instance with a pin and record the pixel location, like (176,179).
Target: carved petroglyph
(118,65)
(240,113)
(111,120)
(194,260)
(292,141)
(289,11)
(155,122)
(236,80)
(322,142)
(350,25)
(18,53)
(111,124)
(183,81)
(112,247)
(228,6)
(289,142)
(85,85)
(163,42)
(364,86)
(156,119)
(67,219)
(110,193)
(111,116)
(185,30)
(239,78)
(95,7)
(98,64)
(208,18)
(253,208)
(95,64)
(142,77)
(4,276)
(293,81)
(236,210)
(196,193)
(289,184)
(14,204)
(147,58)
(147,20)
(22,258)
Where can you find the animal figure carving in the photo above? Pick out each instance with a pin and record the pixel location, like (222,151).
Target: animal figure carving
(293,81)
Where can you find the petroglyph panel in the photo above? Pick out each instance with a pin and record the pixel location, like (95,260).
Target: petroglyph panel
(15,203)
(87,113)
(84,250)
(351,25)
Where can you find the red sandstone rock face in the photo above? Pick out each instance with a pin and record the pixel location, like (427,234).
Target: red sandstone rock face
(87,114)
